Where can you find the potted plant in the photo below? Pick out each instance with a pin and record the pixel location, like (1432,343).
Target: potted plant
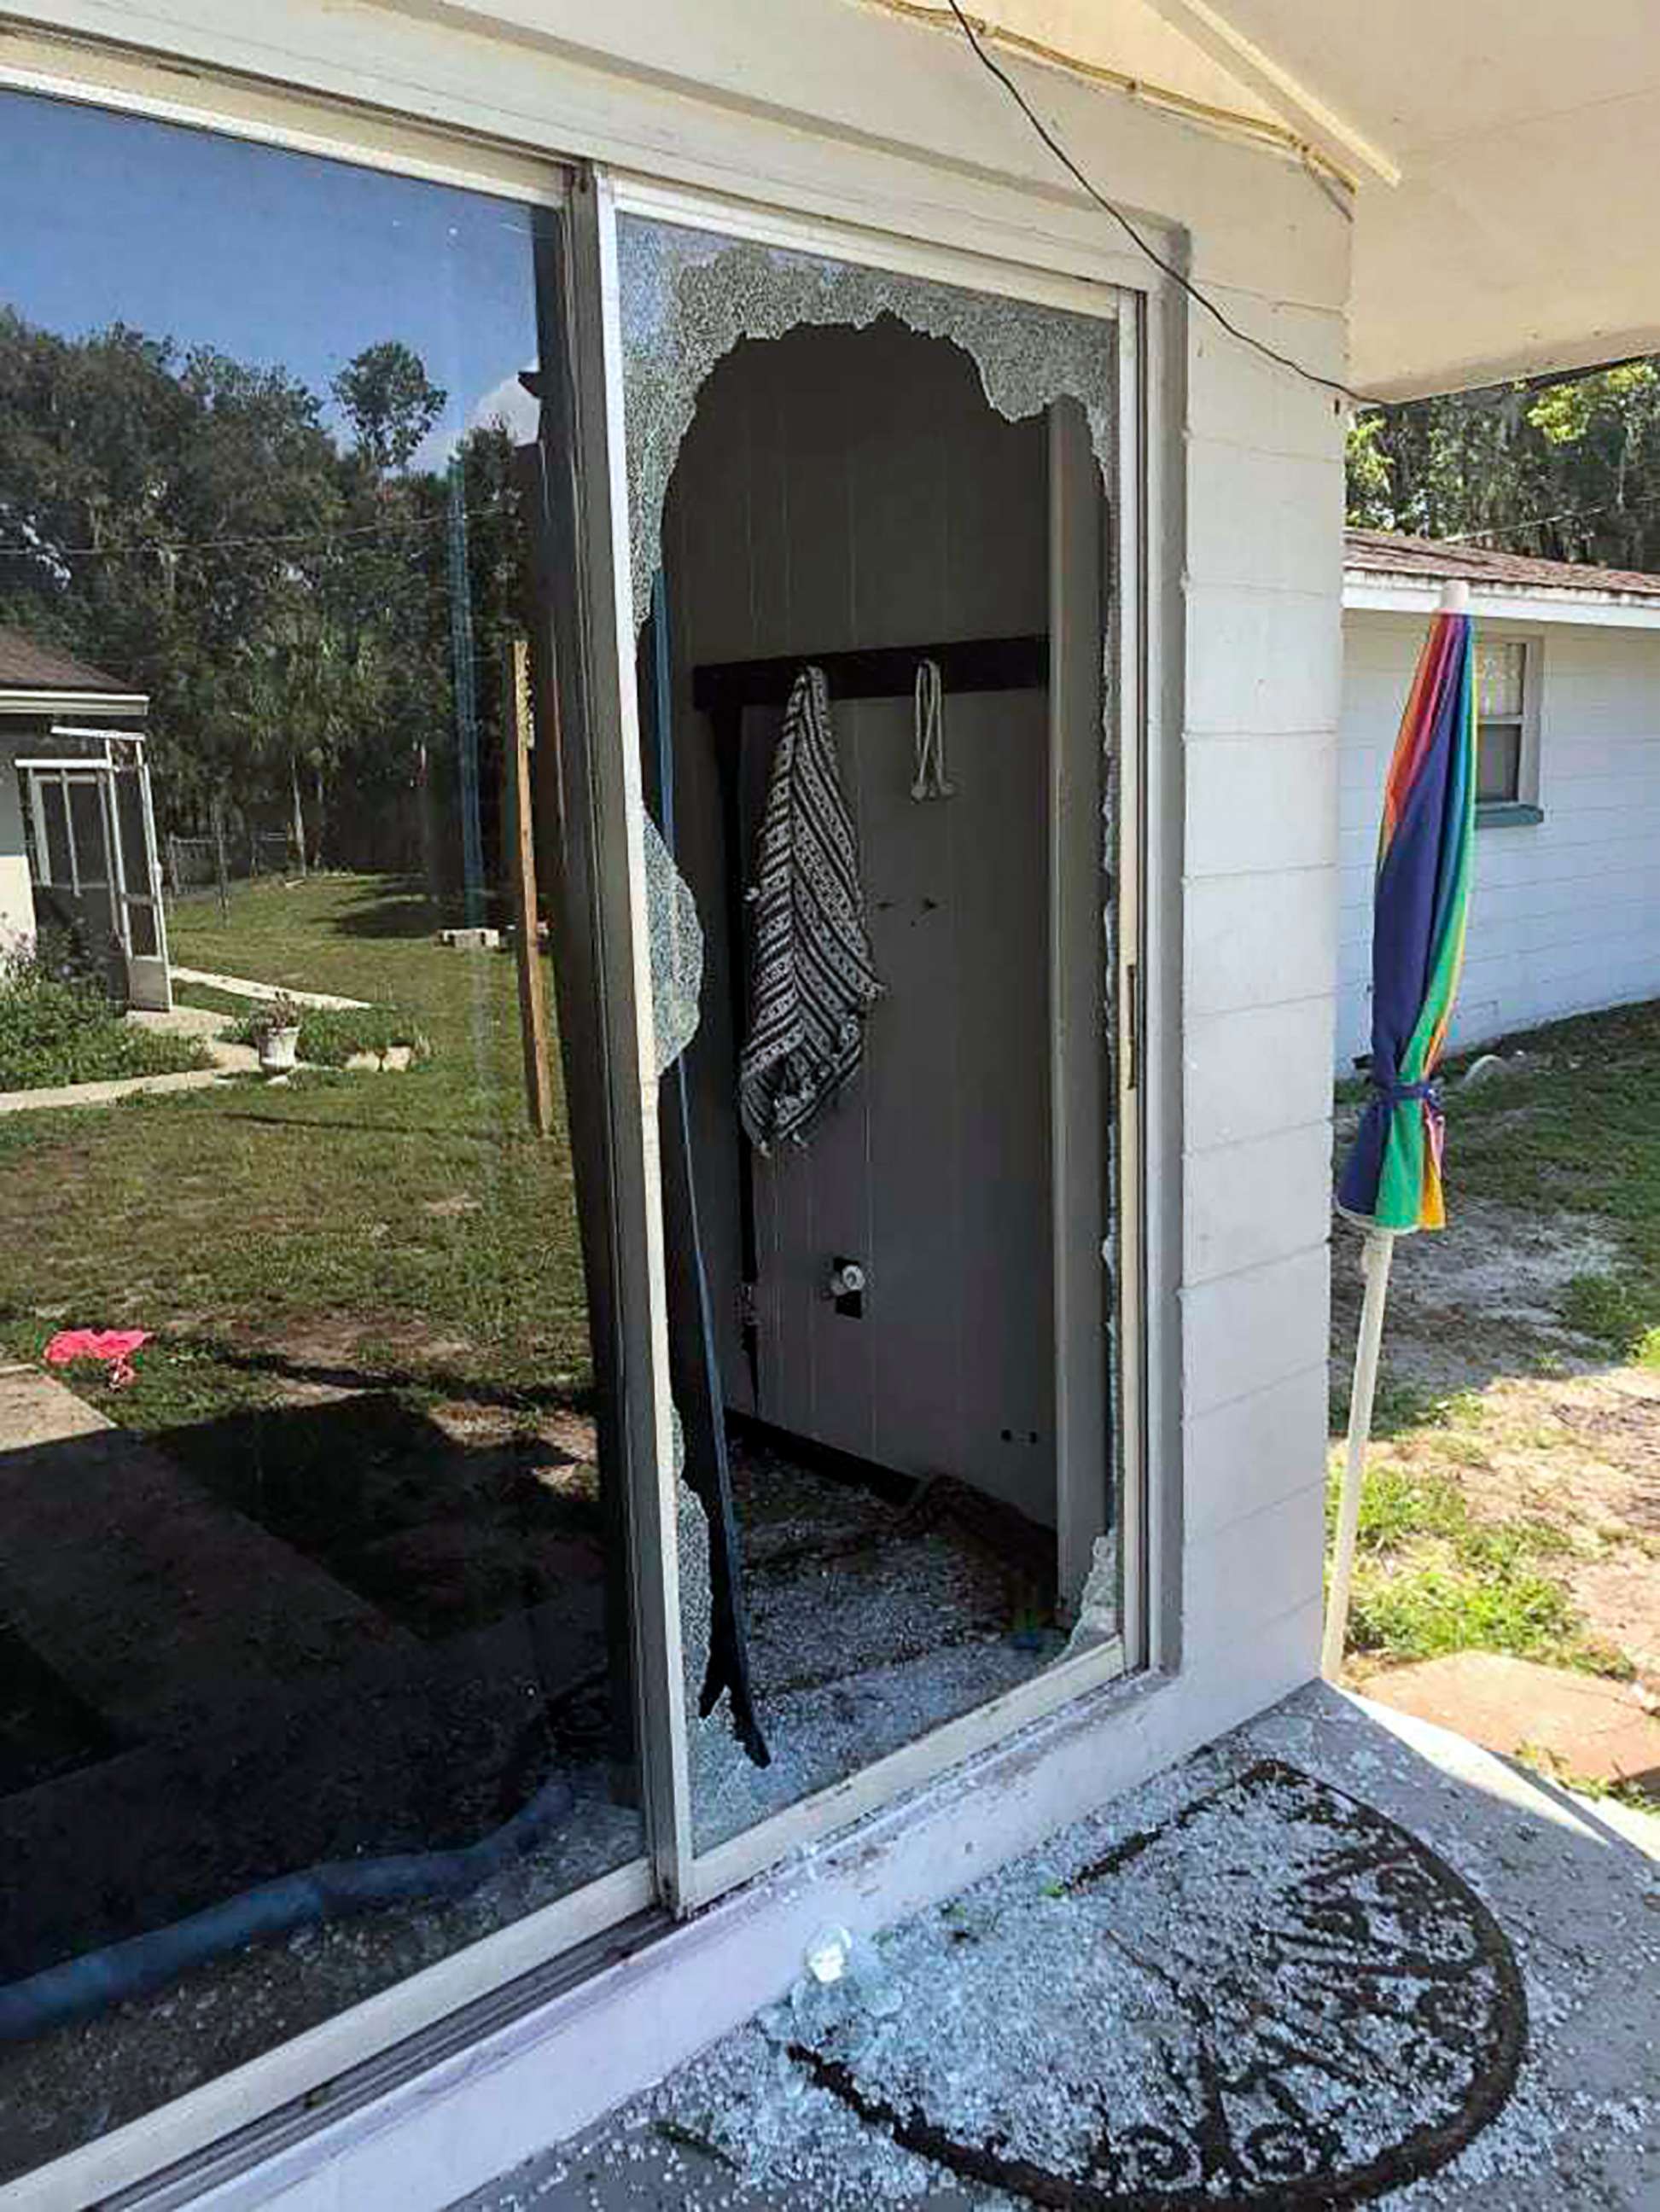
(274,1031)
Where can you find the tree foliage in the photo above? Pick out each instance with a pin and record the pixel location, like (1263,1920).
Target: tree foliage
(189,523)
(1568,469)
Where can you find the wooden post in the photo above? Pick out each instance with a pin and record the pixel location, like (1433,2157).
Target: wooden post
(517,732)
(220,868)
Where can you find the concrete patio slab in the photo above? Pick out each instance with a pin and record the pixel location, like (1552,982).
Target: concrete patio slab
(204,1025)
(1573,1887)
(1594,1729)
(160,1607)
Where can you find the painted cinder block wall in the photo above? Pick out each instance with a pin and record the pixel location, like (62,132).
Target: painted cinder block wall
(17,890)
(1565,915)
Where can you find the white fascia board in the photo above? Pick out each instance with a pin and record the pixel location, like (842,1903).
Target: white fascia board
(1369,592)
(121,705)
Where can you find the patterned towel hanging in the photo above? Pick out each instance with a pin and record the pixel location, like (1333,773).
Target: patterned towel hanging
(812,982)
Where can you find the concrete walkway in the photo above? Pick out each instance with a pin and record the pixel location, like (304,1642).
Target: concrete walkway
(240,986)
(1574,1886)
(108,1094)
(197,1021)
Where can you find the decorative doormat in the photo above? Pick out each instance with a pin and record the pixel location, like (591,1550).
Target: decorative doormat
(1276,1998)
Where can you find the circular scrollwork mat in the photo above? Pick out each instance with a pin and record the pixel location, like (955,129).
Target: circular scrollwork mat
(1277,1998)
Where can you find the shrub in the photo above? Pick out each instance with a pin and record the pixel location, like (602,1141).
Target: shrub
(54,1030)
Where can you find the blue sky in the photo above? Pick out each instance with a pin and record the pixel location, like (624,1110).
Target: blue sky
(272,257)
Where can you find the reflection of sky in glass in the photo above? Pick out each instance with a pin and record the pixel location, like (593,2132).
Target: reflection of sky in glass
(273,258)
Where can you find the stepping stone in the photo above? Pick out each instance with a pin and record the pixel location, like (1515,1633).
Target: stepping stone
(158,1607)
(1589,1726)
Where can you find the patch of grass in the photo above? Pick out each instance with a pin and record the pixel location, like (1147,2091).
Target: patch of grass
(416,1221)
(1396,1506)
(1436,1609)
(209,1001)
(1541,1760)
(1432,1578)
(1397,1406)
(1608,1309)
(1588,1142)
(56,1031)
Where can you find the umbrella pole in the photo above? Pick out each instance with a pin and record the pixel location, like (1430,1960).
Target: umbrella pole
(1375,1262)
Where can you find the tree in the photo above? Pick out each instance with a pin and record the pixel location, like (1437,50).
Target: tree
(1568,468)
(188,521)
(386,395)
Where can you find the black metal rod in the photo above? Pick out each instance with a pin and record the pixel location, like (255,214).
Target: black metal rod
(885,672)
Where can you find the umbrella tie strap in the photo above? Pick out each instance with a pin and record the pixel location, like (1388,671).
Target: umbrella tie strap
(1396,1093)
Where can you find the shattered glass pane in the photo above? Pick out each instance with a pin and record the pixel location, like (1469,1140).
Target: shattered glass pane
(873,1619)
(677,951)
(688,296)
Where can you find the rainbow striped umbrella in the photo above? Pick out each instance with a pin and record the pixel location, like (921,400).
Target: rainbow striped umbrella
(1391,1181)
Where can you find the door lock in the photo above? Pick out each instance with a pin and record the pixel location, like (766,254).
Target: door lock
(846,1287)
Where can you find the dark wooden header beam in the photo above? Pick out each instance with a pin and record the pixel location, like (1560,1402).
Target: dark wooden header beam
(886,672)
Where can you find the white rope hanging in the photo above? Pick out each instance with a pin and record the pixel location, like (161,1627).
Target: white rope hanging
(929,781)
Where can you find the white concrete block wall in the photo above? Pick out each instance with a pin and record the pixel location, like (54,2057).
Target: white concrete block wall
(1564,915)
(1265,500)
(17,891)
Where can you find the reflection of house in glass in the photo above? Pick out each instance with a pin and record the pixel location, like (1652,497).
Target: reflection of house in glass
(77,830)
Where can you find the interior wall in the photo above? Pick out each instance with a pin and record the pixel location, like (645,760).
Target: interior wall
(842,489)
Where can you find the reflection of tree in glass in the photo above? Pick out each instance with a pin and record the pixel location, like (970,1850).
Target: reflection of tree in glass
(385,395)
(188,522)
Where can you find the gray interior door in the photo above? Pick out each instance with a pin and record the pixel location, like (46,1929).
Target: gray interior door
(932,1170)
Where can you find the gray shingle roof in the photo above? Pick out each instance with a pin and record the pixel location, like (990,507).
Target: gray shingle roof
(28,665)
(1382,552)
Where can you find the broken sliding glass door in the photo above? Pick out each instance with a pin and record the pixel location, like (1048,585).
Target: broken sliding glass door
(868,531)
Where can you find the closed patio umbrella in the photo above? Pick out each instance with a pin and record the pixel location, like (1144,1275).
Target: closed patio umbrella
(1391,1181)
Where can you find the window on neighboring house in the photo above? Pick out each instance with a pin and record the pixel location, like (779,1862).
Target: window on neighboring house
(1501,723)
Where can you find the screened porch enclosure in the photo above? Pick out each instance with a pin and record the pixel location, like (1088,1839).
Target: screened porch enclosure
(93,858)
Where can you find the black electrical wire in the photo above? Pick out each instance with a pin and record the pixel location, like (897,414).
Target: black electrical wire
(1339,390)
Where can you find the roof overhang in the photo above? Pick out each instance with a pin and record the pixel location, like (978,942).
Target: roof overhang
(114,706)
(1502,160)
(1369,590)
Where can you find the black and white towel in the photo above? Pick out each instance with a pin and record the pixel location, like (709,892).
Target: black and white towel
(812,983)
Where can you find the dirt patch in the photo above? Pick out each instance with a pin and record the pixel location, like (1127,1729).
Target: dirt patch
(1479,1298)
(1622,1597)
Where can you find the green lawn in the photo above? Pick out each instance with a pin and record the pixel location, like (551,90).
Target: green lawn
(410,1221)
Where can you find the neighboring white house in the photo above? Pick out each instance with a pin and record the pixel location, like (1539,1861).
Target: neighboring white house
(1565,915)
(1297,174)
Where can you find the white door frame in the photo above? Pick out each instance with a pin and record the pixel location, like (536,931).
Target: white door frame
(694,1877)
